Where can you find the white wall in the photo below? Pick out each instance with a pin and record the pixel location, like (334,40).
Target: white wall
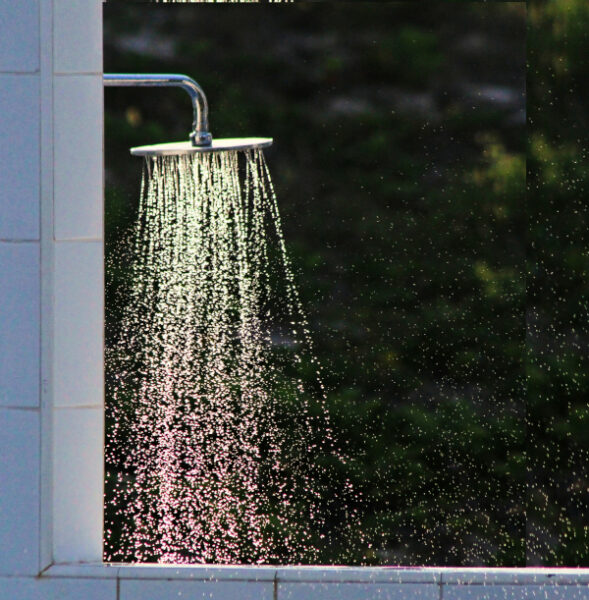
(20,289)
(51,340)
(51,297)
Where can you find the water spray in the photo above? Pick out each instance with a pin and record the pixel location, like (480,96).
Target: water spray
(217,436)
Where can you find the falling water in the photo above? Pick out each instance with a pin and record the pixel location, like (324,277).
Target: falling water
(219,444)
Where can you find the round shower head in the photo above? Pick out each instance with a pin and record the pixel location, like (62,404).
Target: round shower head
(222,145)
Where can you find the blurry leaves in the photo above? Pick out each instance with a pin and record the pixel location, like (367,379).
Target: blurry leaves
(557,365)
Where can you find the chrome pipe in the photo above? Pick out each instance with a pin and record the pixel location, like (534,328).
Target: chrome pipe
(200,135)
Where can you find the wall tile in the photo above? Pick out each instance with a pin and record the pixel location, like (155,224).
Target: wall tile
(198,572)
(195,590)
(46,482)
(19,35)
(78,475)
(314,574)
(19,167)
(79,323)
(78,36)
(19,492)
(358,591)
(78,151)
(514,575)
(516,592)
(83,571)
(19,324)
(57,589)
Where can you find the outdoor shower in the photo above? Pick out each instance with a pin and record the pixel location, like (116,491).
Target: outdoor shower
(216,440)
(200,139)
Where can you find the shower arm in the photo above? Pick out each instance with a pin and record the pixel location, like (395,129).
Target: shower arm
(200,135)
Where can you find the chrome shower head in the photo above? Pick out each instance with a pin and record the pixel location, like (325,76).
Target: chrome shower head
(176,148)
(200,138)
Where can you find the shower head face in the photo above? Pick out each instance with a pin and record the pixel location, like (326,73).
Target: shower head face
(220,145)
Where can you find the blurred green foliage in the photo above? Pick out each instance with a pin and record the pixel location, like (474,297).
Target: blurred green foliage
(449,312)
(558,284)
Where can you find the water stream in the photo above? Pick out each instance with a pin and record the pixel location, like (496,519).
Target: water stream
(219,447)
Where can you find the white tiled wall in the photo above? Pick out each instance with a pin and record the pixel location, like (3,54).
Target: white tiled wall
(20,326)
(51,290)
(336,583)
(78,146)
(19,492)
(57,589)
(20,337)
(77,48)
(355,591)
(77,231)
(19,36)
(515,592)
(196,590)
(19,167)
(79,292)
(77,495)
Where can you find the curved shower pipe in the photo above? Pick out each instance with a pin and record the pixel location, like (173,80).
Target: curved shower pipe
(200,135)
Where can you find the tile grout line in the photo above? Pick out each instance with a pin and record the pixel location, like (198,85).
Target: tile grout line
(78,240)
(79,407)
(35,72)
(77,73)
(363,581)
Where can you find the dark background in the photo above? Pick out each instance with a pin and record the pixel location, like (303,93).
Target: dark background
(557,341)
(429,282)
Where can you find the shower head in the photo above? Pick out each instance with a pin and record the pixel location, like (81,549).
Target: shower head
(201,139)
(176,148)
